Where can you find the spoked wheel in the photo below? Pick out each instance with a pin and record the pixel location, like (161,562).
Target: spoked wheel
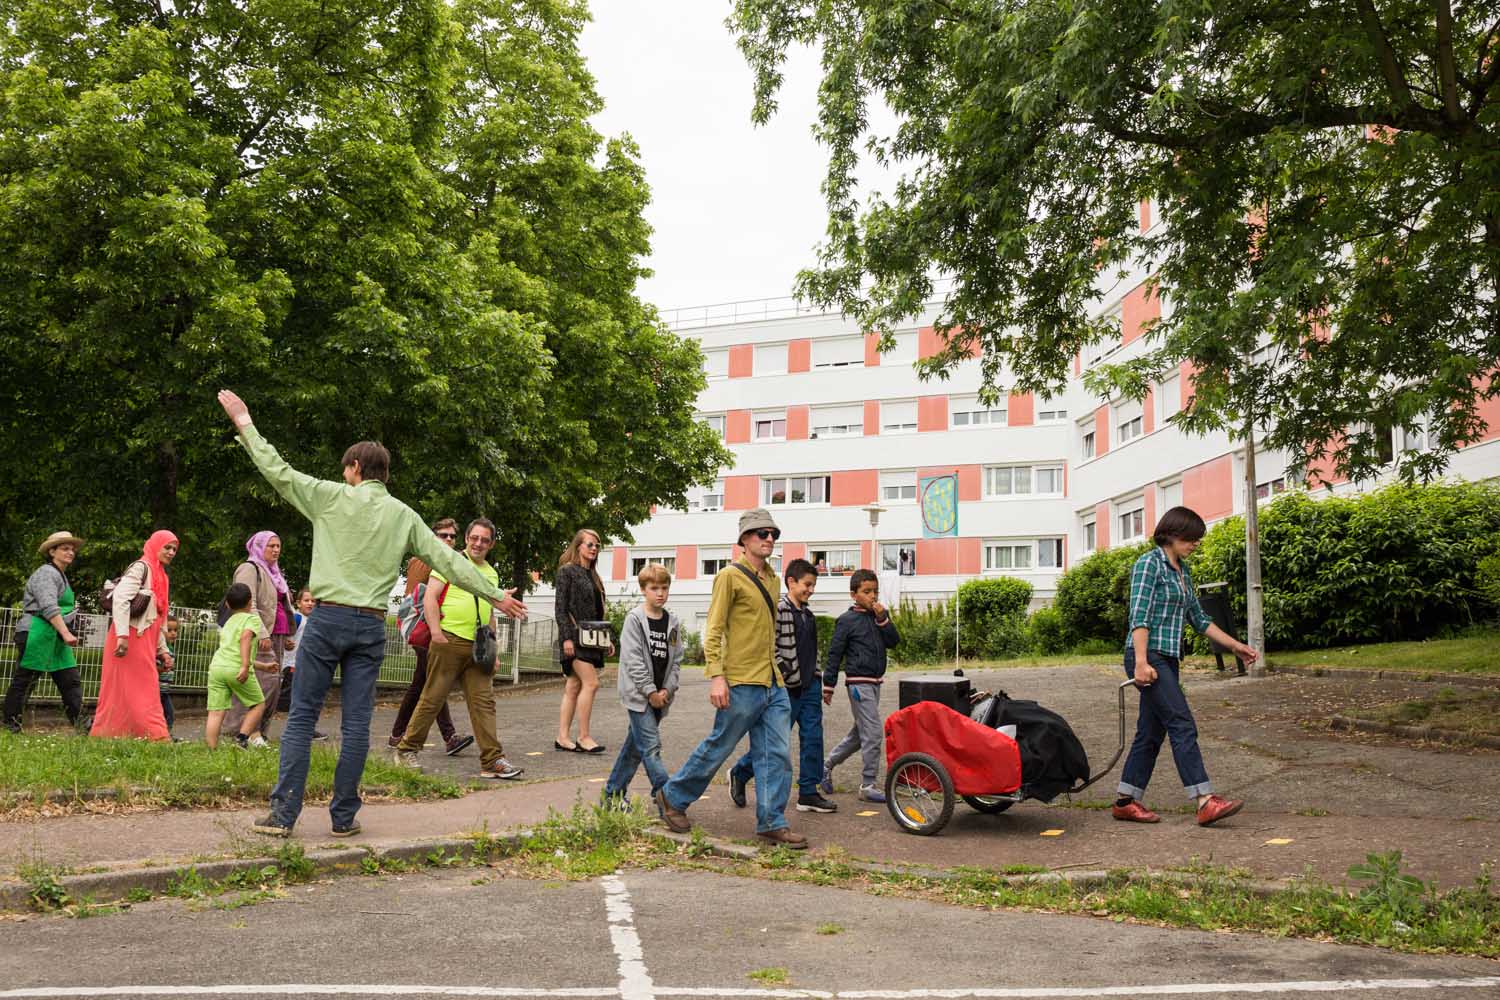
(989,804)
(919,794)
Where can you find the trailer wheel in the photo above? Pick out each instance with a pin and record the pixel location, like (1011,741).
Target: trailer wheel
(988,804)
(919,794)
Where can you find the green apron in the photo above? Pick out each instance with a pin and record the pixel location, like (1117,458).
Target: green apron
(45,649)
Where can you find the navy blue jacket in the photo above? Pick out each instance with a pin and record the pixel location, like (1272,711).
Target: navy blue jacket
(858,646)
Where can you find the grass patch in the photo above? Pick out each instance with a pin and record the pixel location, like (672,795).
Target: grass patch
(1470,654)
(827,930)
(775,976)
(33,765)
(1474,712)
(588,842)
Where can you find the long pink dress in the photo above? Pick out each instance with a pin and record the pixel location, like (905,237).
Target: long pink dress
(129,692)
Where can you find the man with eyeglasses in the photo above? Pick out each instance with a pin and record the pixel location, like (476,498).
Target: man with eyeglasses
(454,615)
(417,573)
(746,687)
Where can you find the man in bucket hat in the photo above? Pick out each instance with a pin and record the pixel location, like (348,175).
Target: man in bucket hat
(746,687)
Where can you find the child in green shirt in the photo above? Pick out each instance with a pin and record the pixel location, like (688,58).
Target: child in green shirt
(229,672)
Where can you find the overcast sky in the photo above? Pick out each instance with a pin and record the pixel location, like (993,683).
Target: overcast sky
(736,208)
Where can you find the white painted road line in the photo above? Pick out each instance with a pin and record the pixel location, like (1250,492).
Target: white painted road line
(635,981)
(642,988)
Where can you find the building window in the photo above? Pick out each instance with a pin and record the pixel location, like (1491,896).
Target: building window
(838,421)
(1171,495)
(714,561)
(714,423)
(1266,490)
(838,352)
(1088,444)
(1051,414)
(770,359)
(711,499)
(1023,480)
(905,349)
(1090,536)
(716,364)
(898,487)
(770,427)
(834,560)
(1128,422)
(898,417)
(1418,438)
(1049,553)
(899,557)
(1133,524)
(1168,399)
(968,411)
(638,563)
(1129,430)
(1008,555)
(794,490)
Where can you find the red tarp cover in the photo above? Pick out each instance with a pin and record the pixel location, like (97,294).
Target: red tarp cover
(980,760)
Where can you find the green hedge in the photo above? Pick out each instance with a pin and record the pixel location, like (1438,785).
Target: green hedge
(1400,563)
(1092,597)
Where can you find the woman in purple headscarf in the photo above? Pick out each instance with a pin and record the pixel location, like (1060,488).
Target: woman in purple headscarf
(271,598)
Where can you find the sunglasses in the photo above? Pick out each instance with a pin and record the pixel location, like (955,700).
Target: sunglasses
(449,535)
(768,533)
(589,545)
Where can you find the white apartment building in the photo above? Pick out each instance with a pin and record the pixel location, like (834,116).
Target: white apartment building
(822,425)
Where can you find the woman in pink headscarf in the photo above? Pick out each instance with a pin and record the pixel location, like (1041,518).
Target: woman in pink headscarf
(129,694)
(271,598)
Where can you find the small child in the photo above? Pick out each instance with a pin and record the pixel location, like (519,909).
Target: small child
(860,638)
(164,673)
(797,658)
(229,671)
(289,650)
(651,648)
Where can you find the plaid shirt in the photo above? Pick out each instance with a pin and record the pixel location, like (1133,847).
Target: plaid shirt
(1160,598)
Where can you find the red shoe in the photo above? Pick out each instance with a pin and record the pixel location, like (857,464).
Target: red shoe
(1215,808)
(1134,813)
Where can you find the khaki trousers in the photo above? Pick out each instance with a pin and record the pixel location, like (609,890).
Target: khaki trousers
(448,664)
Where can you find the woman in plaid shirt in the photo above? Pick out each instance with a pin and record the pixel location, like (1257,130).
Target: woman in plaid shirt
(1161,597)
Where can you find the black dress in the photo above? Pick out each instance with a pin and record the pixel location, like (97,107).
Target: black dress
(578,600)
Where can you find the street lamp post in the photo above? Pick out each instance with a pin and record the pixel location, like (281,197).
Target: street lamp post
(874,510)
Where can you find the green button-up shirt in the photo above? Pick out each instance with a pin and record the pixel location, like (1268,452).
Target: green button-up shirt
(361,534)
(1160,598)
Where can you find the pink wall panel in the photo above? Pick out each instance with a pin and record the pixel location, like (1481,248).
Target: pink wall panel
(741,492)
(969,557)
(932,413)
(796,423)
(929,343)
(687,562)
(937,556)
(1145,214)
(621,563)
(872,418)
(872,351)
(1101,527)
(1150,496)
(737,427)
(742,361)
(1148,411)
(1101,430)
(1209,488)
(1185,384)
(1022,409)
(793,550)
(855,488)
(866,555)
(798,356)
(1139,308)
(1489,412)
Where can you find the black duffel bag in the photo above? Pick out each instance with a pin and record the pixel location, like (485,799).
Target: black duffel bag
(1052,758)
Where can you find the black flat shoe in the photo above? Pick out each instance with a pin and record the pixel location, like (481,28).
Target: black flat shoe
(600,748)
(558,746)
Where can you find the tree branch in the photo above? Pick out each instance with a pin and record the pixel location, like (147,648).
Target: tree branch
(1447,71)
(1389,68)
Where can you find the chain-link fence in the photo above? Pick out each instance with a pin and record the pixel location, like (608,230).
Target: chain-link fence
(525,648)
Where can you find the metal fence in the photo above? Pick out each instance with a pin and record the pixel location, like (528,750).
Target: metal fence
(525,648)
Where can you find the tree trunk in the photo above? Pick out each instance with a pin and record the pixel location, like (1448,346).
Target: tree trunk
(1255,614)
(164,487)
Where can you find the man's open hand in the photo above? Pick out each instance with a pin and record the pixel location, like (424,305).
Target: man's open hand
(510,606)
(235,408)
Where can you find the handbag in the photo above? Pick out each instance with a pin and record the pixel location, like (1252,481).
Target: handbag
(594,635)
(485,644)
(138,604)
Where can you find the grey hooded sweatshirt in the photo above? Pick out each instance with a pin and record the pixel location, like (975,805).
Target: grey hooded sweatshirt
(636,678)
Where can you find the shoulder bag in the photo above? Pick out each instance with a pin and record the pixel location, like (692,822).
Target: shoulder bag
(139,603)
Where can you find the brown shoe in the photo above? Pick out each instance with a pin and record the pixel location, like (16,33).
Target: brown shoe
(675,819)
(1215,808)
(784,838)
(1134,813)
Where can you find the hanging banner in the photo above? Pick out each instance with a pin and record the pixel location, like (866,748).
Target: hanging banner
(938,498)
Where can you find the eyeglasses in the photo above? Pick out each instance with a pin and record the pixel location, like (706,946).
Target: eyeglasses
(768,533)
(449,535)
(589,545)
(481,540)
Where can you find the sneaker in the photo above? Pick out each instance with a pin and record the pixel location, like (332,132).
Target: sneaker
(241,741)
(501,768)
(869,793)
(826,785)
(815,803)
(406,758)
(457,745)
(784,838)
(1134,813)
(270,828)
(347,831)
(1216,807)
(736,789)
(391,741)
(258,741)
(676,820)
(322,737)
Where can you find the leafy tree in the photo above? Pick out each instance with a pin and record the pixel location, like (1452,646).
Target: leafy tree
(373,220)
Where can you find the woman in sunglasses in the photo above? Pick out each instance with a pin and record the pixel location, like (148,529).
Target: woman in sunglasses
(580,598)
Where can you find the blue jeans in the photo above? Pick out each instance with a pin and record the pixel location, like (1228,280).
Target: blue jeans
(1164,714)
(352,642)
(807,716)
(641,746)
(764,713)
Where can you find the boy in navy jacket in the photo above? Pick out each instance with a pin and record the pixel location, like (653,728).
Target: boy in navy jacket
(860,638)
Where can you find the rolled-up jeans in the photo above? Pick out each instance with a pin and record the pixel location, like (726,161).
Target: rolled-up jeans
(642,746)
(1164,714)
(352,642)
(764,713)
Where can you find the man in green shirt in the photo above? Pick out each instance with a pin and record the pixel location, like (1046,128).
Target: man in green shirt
(361,535)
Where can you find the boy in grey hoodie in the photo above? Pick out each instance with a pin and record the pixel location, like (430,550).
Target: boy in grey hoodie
(651,648)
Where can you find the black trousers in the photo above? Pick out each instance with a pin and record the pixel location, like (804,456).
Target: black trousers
(69,685)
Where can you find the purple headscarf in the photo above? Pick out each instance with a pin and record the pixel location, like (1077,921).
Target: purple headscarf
(256,547)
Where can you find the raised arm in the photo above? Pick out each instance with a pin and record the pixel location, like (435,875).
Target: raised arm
(307,494)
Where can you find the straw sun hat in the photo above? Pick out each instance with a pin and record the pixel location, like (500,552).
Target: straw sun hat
(58,538)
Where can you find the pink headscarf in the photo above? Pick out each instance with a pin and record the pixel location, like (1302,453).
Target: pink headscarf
(151,554)
(256,546)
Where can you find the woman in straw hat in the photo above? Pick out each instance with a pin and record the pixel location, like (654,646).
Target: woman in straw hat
(129,694)
(44,638)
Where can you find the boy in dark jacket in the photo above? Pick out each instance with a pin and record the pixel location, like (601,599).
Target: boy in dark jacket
(860,638)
